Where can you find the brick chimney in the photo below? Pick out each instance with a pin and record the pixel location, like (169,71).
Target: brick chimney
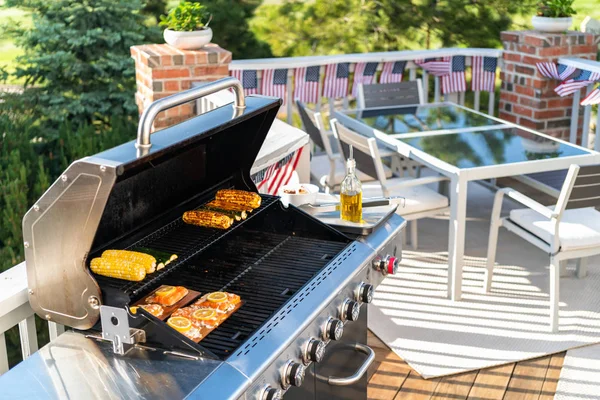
(162,70)
(526,97)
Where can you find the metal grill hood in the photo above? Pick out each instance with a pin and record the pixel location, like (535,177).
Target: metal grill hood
(103,198)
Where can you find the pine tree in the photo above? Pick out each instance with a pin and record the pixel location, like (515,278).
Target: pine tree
(77,64)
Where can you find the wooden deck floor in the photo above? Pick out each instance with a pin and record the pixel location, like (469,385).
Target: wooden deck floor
(391,378)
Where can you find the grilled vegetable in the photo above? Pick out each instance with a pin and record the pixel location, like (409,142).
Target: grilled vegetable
(118,268)
(239,197)
(227,206)
(148,261)
(237,215)
(209,219)
(162,258)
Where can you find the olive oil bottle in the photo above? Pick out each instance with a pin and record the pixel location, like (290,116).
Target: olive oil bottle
(351,193)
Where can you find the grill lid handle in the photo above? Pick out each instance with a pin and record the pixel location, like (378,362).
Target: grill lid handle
(143,143)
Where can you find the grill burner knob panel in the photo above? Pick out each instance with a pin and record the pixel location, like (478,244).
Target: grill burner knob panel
(315,351)
(364,293)
(293,374)
(386,265)
(334,329)
(272,394)
(350,310)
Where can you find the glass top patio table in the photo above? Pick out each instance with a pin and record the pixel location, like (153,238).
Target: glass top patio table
(420,118)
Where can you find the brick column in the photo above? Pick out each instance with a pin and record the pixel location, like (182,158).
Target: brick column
(526,97)
(162,70)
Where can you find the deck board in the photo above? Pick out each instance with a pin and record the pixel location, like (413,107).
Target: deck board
(392,378)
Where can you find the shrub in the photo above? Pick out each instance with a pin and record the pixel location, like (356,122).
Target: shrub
(556,8)
(186,16)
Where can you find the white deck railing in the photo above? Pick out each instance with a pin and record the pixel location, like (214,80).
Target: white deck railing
(433,93)
(592,66)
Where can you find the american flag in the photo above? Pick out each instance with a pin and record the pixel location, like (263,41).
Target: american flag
(483,73)
(455,81)
(553,71)
(270,179)
(364,73)
(581,80)
(249,80)
(435,67)
(274,82)
(392,72)
(592,98)
(336,80)
(306,84)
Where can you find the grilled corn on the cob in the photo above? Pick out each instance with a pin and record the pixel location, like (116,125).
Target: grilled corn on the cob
(231,214)
(148,261)
(209,219)
(242,197)
(118,268)
(224,205)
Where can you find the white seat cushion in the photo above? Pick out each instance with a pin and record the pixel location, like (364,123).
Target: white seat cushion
(578,229)
(319,167)
(418,198)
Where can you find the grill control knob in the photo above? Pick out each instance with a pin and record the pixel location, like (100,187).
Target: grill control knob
(272,394)
(364,292)
(350,310)
(334,329)
(386,265)
(293,374)
(315,351)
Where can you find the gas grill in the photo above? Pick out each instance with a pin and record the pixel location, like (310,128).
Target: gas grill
(305,285)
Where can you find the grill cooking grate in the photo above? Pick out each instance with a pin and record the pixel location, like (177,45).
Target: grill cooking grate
(179,238)
(265,269)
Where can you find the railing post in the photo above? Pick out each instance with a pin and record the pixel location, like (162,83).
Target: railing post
(320,87)
(574,117)
(55,330)
(476,100)
(27,331)
(491,103)
(425,80)
(3,354)
(436,93)
(587,113)
(597,144)
(290,96)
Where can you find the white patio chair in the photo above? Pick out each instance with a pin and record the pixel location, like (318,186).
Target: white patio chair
(328,169)
(568,230)
(421,201)
(393,94)
(390,94)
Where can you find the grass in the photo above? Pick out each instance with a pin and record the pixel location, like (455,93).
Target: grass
(8,51)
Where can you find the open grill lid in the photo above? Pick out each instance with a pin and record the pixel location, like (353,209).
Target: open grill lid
(101,199)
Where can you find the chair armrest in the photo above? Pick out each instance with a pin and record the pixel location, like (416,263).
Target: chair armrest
(528,202)
(418,181)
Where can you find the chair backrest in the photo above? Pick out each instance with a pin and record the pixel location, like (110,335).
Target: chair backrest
(581,188)
(390,94)
(365,152)
(310,124)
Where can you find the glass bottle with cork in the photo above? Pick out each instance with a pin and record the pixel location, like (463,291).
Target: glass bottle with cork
(351,193)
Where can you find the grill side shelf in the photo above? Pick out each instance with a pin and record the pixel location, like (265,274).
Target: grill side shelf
(182,239)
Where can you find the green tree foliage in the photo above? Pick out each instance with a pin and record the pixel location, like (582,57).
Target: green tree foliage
(77,65)
(231,30)
(155,8)
(297,28)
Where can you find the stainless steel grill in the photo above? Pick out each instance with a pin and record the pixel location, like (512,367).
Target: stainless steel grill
(301,281)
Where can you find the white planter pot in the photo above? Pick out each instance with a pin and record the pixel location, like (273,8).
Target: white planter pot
(547,24)
(188,40)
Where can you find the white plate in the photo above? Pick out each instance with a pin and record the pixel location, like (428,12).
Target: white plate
(298,199)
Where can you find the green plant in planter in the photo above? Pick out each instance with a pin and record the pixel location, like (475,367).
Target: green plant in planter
(186,17)
(556,8)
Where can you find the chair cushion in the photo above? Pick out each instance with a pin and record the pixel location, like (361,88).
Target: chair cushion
(319,167)
(418,198)
(579,228)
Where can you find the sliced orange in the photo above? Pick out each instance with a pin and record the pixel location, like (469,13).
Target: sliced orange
(133,309)
(204,314)
(180,324)
(217,297)
(165,291)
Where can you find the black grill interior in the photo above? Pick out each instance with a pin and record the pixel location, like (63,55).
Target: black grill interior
(265,259)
